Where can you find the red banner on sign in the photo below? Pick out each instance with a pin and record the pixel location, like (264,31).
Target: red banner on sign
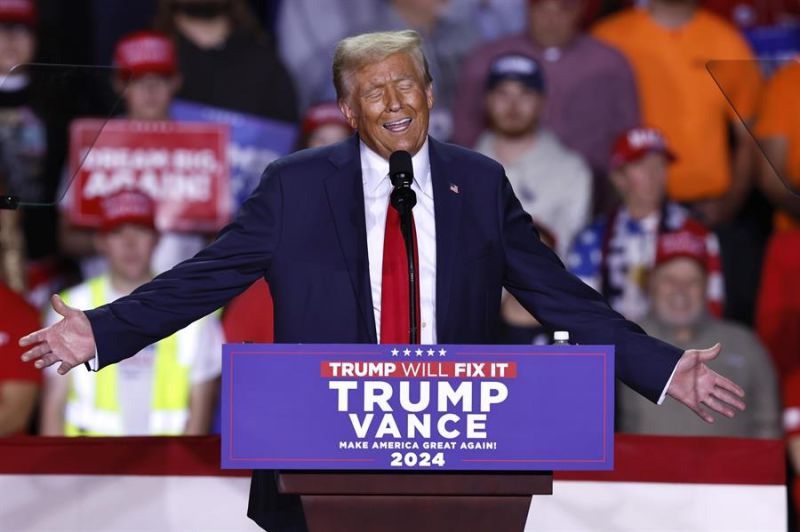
(183,166)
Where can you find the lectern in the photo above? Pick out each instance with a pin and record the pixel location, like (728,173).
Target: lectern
(422,502)
(417,438)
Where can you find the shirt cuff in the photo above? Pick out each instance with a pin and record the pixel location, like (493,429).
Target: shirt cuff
(94,363)
(664,391)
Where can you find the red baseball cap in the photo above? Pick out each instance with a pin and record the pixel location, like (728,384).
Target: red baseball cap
(127,207)
(146,52)
(688,242)
(19,12)
(322,114)
(637,142)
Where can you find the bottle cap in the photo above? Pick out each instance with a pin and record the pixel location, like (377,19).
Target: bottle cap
(561,336)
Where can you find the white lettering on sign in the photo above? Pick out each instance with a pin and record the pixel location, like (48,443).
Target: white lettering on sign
(173,175)
(182,159)
(414,397)
(164,185)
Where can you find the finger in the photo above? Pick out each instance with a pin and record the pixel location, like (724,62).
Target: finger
(65,367)
(59,305)
(709,354)
(703,414)
(729,398)
(727,384)
(718,406)
(33,338)
(38,351)
(47,360)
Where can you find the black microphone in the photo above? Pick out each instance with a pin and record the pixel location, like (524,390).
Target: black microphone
(401,170)
(403,199)
(401,173)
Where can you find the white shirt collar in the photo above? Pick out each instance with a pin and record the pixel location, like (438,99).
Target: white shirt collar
(375,169)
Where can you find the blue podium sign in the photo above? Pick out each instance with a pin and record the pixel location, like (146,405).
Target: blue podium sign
(443,407)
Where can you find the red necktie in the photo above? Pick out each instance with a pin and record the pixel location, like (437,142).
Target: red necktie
(395,326)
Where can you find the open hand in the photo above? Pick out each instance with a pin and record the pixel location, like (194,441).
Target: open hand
(699,387)
(70,341)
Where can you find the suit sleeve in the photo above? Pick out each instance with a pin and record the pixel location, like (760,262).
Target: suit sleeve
(561,301)
(194,288)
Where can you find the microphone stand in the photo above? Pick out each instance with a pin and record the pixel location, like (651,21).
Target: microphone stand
(403,200)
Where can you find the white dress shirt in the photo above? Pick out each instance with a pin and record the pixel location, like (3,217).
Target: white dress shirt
(377,188)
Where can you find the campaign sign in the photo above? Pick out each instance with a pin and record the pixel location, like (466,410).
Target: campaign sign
(254,142)
(443,407)
(183,166)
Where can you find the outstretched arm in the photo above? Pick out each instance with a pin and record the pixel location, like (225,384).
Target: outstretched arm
(194,288)
(559,300)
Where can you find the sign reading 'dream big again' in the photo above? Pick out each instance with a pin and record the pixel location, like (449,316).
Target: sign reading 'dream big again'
(444,407)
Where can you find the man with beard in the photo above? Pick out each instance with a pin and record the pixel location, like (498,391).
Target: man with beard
(552,182)
(592,97)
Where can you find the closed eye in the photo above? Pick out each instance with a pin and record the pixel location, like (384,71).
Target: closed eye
(405,85)
(373,95)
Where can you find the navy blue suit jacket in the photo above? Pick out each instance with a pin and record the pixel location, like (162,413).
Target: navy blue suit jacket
(303,229)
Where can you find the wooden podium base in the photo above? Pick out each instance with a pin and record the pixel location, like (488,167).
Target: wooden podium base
(416,502)
(415,513)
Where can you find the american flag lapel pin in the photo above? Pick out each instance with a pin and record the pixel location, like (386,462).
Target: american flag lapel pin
(453,188)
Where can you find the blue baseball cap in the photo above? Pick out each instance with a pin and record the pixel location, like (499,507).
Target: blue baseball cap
(517,67)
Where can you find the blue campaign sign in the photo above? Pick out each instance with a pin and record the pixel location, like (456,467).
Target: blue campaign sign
(254,142)
(444,407)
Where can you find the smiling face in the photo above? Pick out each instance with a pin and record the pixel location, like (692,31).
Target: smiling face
(678,292)
(389,103)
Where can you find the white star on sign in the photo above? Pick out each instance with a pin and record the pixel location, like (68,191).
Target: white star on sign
(442,352)
(430,352)
(407,352)
(394,352)
(419,352)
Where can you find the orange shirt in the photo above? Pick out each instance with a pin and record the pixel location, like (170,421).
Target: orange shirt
(679,96)
(780,117)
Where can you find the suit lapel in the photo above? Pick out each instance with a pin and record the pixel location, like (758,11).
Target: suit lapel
(447,209)
(346,200)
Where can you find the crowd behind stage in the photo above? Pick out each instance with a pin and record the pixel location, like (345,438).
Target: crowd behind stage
(654,143)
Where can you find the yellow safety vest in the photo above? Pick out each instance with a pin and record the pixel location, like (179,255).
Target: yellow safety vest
(93,402)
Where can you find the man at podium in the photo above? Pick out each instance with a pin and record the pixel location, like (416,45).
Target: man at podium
(320,230)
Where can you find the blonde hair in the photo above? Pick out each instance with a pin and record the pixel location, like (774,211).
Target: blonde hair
(358,51)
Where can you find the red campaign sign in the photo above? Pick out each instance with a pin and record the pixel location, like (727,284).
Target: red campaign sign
(183,166)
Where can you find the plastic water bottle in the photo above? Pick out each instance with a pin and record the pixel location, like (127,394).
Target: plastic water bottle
(561,338)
